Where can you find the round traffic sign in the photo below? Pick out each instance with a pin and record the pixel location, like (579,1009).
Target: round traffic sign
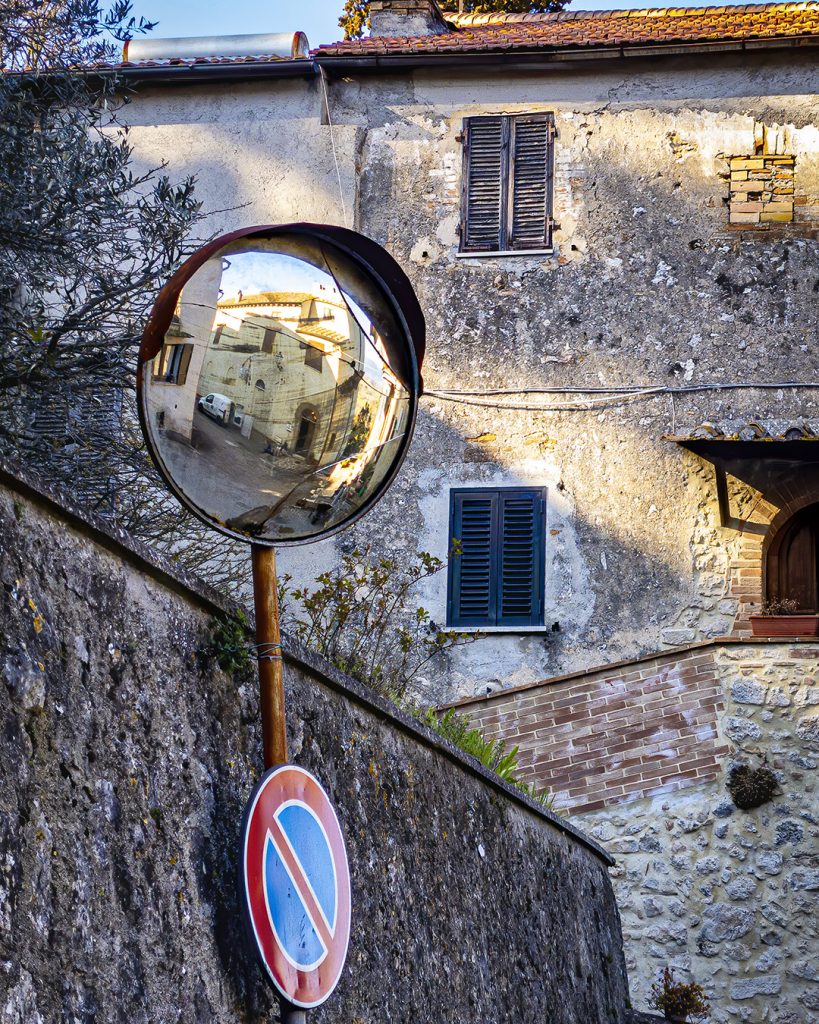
(296,884)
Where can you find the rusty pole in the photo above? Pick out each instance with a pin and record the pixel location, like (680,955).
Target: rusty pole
(269,653)
(271,681)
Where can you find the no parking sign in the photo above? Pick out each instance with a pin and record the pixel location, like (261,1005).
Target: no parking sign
(296,884)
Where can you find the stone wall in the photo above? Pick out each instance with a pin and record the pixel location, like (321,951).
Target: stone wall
(727,896)
(126,759)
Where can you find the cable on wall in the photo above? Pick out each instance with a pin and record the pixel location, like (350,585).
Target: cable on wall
(323,77)
(601,396)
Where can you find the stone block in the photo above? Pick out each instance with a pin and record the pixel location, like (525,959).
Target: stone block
(723,922)
(747,988)
(739,163)
(741,729)
(749,692)
(744,218)
(779,218)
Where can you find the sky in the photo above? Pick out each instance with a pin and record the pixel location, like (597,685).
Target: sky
(318,19)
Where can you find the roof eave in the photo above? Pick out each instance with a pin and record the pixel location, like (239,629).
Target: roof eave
(527,58)
(189,74)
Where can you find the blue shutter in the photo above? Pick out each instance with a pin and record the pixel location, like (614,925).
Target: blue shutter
(520,585)
(472,573)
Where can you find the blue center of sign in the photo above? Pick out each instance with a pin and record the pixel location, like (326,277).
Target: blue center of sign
(300,883)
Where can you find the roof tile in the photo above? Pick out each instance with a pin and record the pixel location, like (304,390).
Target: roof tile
(483,33)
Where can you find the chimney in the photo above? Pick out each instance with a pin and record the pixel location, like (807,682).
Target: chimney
(406,18)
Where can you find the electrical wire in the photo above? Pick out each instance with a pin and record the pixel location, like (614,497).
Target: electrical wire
(602,396)
(323,77)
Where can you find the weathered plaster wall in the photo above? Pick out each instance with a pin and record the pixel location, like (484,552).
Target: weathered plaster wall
(125,762)
(646,287)
(730,897)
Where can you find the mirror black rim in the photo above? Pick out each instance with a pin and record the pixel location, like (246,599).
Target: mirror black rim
(395,285)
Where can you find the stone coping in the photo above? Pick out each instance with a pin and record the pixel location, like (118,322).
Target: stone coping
(190,586)
(672,654)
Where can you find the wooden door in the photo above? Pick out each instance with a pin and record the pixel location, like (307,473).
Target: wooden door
(793,561)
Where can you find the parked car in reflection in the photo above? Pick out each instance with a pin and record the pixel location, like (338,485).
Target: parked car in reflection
(217,406)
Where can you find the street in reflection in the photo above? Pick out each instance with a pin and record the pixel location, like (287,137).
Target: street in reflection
(274,404)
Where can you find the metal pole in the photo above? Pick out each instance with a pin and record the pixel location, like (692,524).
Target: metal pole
(271,683)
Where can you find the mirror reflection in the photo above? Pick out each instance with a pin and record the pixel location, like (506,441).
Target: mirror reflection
(279,401)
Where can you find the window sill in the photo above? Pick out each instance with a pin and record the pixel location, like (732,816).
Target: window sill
(505,252)
(501,629)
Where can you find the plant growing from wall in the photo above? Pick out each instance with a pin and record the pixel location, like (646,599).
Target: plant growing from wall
(679,1001)
(230,642)
(355,17)
(751,787)
(363,618)
(490,752)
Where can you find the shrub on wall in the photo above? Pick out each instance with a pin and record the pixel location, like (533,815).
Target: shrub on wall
(678,1000)
(751,787)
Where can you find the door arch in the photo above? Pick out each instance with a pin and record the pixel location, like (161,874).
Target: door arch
(792,565)
(304,429)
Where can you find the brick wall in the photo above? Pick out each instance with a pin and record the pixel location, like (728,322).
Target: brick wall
(597,737)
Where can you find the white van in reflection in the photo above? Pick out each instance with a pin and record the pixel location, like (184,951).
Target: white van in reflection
(217,406)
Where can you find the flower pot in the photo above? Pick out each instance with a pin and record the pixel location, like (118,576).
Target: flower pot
(785,625)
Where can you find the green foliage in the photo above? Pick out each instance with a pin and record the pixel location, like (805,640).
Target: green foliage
(355,17)
(363,618)
(86,241)
(229,643)
(491,753)
(677,1000)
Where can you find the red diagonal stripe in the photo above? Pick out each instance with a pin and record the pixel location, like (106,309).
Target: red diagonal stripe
(302,888)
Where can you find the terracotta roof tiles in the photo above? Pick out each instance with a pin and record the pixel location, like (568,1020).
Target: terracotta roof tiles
(481,33)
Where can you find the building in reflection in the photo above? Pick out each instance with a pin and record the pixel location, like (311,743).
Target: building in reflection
(288,382)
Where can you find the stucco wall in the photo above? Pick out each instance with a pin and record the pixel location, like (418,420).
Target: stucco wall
(126,760)
(647,286)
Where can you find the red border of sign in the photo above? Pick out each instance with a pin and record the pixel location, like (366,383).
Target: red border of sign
(305,989)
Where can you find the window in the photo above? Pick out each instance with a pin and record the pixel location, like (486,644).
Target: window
(260,385)
(217,334)
(506,190)
(497,578)
(312,356)
(269,339)
(171,365)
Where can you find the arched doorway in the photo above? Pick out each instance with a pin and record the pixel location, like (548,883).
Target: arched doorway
(792,565)
(305,429)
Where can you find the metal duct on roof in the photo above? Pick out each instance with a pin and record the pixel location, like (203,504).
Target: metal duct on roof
(286,45)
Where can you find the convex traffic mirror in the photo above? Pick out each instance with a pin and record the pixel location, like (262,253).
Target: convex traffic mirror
(279,379)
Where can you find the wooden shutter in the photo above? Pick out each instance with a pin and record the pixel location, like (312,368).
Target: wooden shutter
(520,584)
(484,184)
(184,363)
(472,575)
(497,579)
(530,194)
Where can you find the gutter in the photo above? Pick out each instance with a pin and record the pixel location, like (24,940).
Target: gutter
(514,59)
(188,74)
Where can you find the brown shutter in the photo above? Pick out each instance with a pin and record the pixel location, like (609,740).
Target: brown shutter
(484,184)
(530,200)
(184,363)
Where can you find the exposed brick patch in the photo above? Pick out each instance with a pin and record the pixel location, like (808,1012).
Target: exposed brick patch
(615,733)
